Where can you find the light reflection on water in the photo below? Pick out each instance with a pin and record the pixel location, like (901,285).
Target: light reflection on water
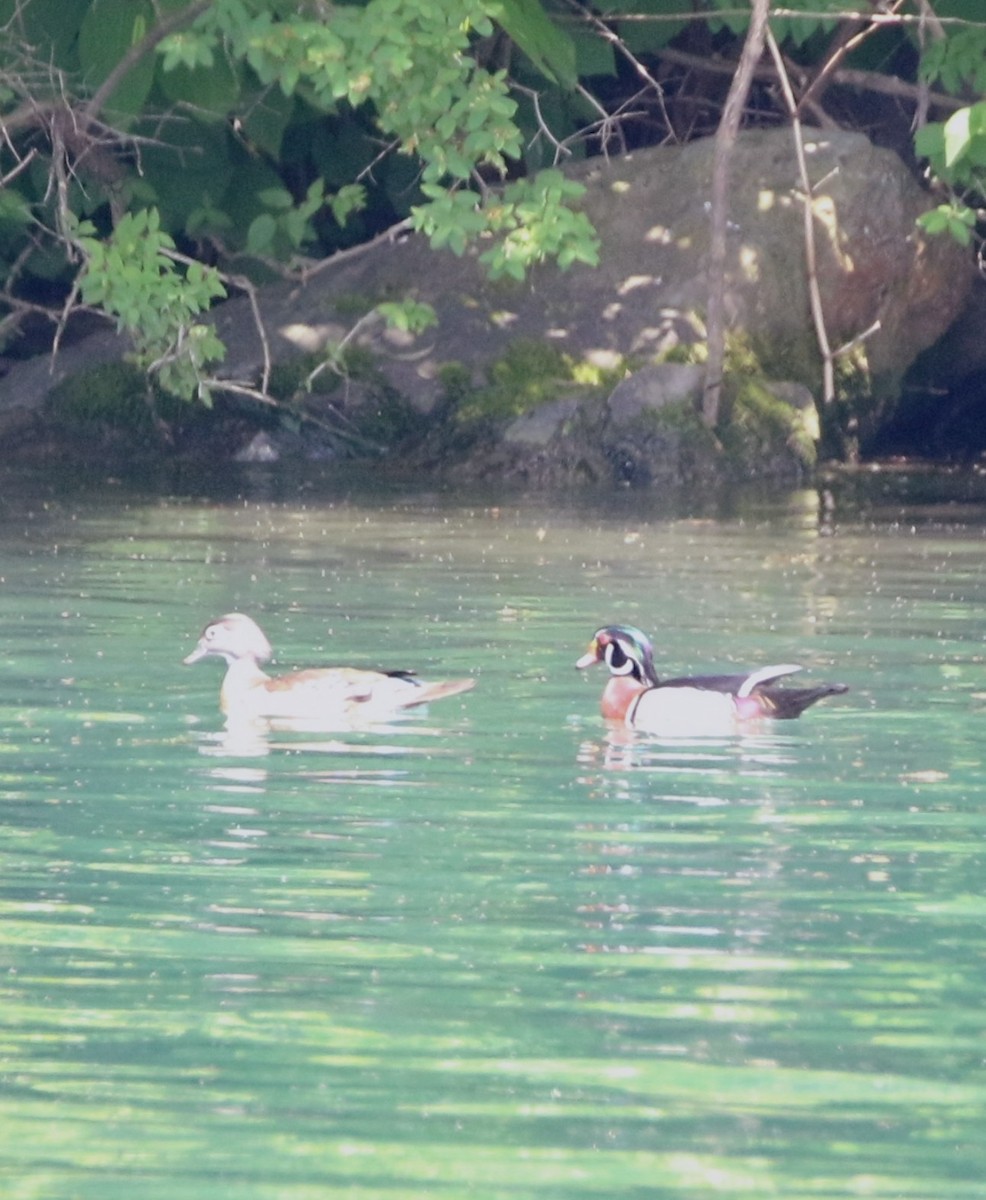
(494,950)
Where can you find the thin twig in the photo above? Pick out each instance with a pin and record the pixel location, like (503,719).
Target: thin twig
(848,347)
(889,85)
(930,28)
(543,128)
(236,388)
(368,169)
(243,284)
(24,163)
(372,317)
(725,142)
(811,257)
(340,256)
(258,320)
(849,42)
(67,309)
(607,35)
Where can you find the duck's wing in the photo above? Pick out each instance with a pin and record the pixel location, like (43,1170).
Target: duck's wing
(766,675)
(785,703)
(732,685)
(331,683)
(353,691)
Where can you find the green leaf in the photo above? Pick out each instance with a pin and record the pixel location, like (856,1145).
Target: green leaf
(239,200)
(276,198)
(261,234)
(935,221)
(957,220)
(644,37)
(207,220)
(110,29)
(348,200)
(959,231)
(211,91)
(929,141)
(295,227)
(956,135)
(546,44)
(187,49)
(268,117)
(734,19)
(14,209)
(408,315)
(53,24)
(314,199)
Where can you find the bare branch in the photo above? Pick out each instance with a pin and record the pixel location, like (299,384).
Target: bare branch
(607,34)
(851,37)
(725,141)
(334,428)
(889,85)
(811,258)
(24,163)
(388,235)
(67,309)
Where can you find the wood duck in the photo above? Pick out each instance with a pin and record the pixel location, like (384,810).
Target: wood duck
(714,705)
(322,695)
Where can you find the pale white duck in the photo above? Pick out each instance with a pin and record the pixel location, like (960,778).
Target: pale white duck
(317,695)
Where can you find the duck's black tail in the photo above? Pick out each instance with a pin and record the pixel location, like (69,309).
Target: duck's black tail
(787,703)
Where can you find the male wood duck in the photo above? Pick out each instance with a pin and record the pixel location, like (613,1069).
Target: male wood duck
(322,695)
(713,705)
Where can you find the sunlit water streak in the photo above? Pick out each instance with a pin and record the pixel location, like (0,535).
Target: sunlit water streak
(493,950)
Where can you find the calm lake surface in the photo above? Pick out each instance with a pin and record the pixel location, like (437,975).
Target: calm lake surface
(495,950)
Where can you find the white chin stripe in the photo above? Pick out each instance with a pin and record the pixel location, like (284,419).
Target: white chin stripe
(626,667)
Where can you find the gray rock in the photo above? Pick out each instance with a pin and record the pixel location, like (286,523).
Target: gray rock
(542,424)
(655,387)
(260,449)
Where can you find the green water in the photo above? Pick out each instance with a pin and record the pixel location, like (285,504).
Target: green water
(493,951)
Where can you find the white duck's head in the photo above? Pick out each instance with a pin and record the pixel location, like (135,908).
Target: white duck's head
(233,637)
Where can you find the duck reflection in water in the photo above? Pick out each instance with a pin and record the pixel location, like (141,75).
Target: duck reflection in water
(623,751)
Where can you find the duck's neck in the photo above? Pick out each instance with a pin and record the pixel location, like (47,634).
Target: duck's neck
(241,677)
(619,694)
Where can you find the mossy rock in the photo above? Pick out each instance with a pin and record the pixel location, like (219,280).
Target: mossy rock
(769,424)
(528,374)
(665,446)
(112,398)
(112,393)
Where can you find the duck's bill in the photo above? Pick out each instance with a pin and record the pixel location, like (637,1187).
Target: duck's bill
(197,654)
(590,658)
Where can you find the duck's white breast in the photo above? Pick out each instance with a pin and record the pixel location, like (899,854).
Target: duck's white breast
(684,712)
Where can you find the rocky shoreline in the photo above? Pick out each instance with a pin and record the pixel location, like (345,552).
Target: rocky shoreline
(588,376)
